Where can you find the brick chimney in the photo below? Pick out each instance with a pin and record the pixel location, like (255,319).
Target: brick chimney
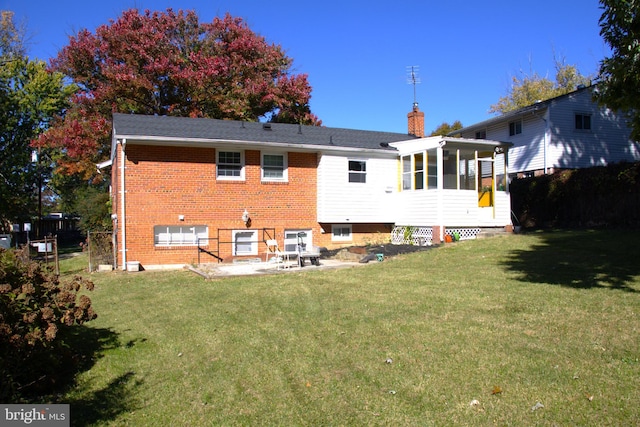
(416,121)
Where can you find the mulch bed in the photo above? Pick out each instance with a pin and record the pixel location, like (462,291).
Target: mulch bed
(387,250)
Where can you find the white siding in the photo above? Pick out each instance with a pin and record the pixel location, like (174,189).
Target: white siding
(459,209)
(606,142)
(527,152)
(549,138)
(416,207)
(341,201)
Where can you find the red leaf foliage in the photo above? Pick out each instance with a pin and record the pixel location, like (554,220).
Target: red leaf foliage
(168,63)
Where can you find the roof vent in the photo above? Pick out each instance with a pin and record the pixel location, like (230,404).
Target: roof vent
(266,126)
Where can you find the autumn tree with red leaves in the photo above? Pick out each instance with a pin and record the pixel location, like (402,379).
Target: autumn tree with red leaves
(168,63)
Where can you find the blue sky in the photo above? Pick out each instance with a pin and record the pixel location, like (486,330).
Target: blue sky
(356,53)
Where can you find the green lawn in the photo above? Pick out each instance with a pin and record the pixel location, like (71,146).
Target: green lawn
(508,323)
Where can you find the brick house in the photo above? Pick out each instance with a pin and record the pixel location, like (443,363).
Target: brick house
(188,190)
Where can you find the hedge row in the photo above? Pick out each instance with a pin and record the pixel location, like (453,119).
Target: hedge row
(607,196)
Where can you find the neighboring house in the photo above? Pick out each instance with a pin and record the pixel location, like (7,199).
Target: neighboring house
(566,132)
(190,190)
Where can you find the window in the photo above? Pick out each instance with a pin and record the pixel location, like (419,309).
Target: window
(245,242)
(418,171)
(481,134)
(230,165)
(179,235)
(293,237)
(467,170)
(450,169)
(432,169)
(341,232)
(406,172)
(583,121)
(413,170)
(274,167)
(357,171)
(515,128)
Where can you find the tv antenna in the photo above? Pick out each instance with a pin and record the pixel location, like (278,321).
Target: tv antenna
(413,79)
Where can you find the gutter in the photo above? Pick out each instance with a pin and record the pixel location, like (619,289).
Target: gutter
(250,145)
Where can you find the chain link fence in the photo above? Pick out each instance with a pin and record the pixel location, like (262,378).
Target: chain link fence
(100,246)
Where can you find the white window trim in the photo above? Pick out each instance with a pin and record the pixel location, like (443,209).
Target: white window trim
(168,231)
(516,124)
(242,166)
(404,173)
(285,167)
(341,238)
(291,245)
(360,173)
(253,243)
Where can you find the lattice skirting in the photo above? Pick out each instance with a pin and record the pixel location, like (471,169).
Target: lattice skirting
(407,235)
(423,236)
(464,233)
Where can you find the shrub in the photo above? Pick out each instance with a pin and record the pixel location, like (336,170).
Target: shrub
(37,313)
(598,196)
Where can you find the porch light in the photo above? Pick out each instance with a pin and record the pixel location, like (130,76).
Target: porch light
(245,216)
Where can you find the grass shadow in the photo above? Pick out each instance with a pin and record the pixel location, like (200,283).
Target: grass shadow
(97,406)
(580,259)
(106,404)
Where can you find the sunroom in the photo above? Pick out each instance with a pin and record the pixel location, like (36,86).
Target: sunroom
(450,186)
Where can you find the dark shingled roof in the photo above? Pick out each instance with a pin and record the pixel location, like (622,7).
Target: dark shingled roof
(175,128)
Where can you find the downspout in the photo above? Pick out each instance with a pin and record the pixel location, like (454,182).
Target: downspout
(440,198)
(123,218)
(545,141)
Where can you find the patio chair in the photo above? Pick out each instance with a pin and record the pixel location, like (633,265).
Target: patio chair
(281,259)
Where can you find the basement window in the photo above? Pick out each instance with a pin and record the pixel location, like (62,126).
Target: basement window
(245,242)
(341,232)
(179,235)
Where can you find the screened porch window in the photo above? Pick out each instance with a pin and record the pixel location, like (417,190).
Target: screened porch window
(420,170)
(432,169)
(467,170)
(406,172)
